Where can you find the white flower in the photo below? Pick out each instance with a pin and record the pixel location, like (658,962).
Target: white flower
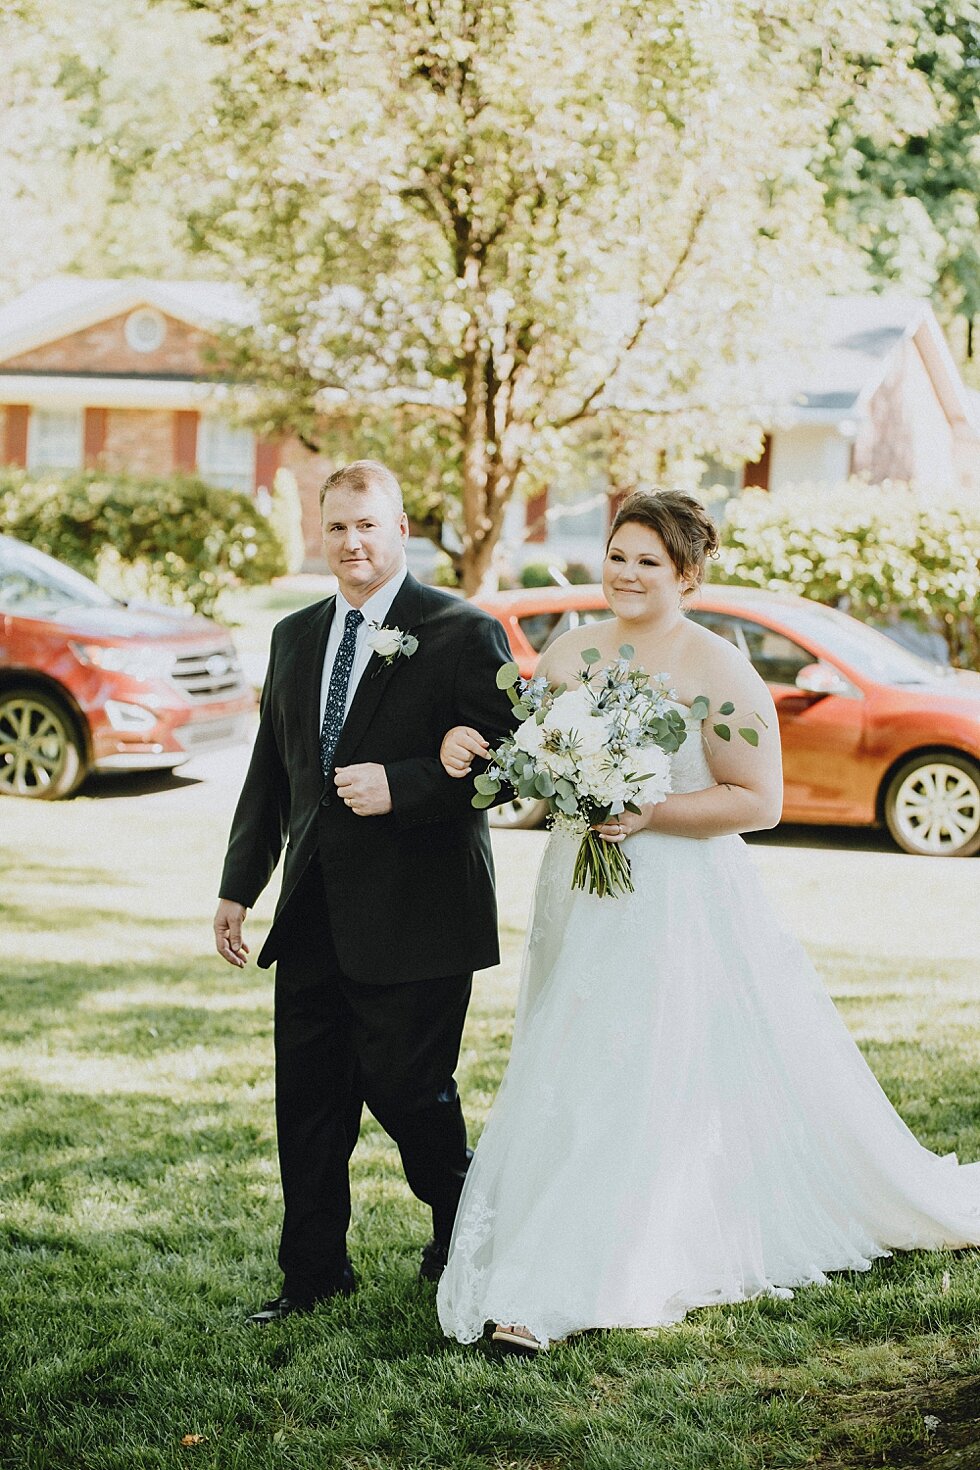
(574,714)
(385,642)
(529,736)
(390,643)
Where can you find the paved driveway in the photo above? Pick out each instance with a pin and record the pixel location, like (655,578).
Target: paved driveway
(836,888)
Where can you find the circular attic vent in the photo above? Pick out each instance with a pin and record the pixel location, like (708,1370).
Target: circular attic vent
(145,329)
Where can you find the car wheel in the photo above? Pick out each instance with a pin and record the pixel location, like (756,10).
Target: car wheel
(521,813)
(40,752)
(932,805)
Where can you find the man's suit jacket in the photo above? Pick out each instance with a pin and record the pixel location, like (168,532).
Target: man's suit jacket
(410,894)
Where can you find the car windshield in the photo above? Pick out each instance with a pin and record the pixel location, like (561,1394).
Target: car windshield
(35,585)
(864,649)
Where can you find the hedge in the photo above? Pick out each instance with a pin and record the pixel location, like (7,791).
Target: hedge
(880,553)
(175,539)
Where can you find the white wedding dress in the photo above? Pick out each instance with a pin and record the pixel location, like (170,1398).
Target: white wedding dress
(685,1118)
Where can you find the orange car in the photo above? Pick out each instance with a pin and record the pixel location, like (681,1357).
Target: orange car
(871,732)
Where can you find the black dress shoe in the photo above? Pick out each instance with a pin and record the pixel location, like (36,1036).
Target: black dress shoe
(434,1257)
(288,1306)
(276,1310)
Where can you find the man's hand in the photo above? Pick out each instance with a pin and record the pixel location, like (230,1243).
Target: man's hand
(364,789)
(228,939)
(459,748)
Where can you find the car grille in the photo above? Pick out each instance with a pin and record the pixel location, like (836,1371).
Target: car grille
(209,673)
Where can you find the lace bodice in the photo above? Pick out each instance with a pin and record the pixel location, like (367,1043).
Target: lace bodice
(689,769)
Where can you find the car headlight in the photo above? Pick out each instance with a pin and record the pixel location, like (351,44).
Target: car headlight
(129,717)
(145,663)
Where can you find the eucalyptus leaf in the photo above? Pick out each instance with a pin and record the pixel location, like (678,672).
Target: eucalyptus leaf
(722,730)
(521,712)
(626,650)
(590,656)
(481,802)
(486,785)
(544,785)
(727,708)
(749,735)
(507,676)
(700,707)
(566,804)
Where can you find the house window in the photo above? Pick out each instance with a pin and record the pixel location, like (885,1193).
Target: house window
(55,439)
(226,454)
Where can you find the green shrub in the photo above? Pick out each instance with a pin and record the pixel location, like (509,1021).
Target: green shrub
(537,574)
(879,552)
(175,540)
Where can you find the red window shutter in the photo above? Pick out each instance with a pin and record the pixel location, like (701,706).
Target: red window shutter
(95,433)
(15,438)
(266,463)
(535,522)
(185,438)
(615,501)
(756,475)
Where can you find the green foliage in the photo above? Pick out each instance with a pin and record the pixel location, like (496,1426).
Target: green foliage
(537,574)
(904,182)
(877,552)
(177,539)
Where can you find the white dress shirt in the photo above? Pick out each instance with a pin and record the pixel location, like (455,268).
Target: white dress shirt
(375,611)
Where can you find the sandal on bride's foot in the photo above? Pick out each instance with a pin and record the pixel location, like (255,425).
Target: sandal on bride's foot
(517,1339)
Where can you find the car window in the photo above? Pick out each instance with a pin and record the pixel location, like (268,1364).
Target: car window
(579,617)
(35,585)
(537,626)
(719,623)
(774,656)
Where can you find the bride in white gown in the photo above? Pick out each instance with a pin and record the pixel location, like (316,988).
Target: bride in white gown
(684,1119)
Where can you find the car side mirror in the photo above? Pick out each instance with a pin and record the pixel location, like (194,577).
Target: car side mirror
(824,679)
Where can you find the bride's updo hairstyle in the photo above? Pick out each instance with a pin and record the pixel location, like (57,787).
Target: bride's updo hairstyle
(682,523)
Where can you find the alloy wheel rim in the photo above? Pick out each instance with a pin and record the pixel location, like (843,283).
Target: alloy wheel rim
(509,813)
(937,808)
(32,747)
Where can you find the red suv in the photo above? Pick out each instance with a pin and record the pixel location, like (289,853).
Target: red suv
(91,684)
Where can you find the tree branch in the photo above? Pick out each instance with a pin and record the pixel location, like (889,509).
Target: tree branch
(586,406)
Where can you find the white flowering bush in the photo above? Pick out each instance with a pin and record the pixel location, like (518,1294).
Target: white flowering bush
(878,552)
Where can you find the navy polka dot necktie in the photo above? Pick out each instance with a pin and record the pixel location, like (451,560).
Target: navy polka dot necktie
(333,710)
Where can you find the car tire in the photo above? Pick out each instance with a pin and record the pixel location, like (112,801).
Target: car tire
(932,805)
(41,753)
(520,814)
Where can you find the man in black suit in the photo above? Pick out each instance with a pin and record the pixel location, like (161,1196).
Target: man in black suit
(387,903)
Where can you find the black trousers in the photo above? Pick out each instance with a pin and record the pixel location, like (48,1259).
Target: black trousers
(338,1044)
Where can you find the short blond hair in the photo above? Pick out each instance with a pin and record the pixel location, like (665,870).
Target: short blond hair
(361,475)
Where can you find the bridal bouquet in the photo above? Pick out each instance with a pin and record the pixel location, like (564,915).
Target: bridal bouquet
(591,752)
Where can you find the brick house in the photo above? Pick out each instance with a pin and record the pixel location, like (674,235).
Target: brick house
(121,375)
(872,390)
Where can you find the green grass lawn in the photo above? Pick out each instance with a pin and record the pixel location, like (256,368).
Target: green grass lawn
(140,1212)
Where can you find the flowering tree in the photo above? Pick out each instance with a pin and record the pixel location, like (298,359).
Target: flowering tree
(480,235)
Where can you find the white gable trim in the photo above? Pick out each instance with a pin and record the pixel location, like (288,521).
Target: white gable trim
(39,391)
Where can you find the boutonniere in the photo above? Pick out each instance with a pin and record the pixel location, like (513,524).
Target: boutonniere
(390,643)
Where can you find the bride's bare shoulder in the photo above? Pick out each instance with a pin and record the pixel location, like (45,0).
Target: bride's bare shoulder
(721,669)
(561,661)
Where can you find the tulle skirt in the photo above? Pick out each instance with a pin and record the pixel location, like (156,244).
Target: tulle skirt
(684,1119)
